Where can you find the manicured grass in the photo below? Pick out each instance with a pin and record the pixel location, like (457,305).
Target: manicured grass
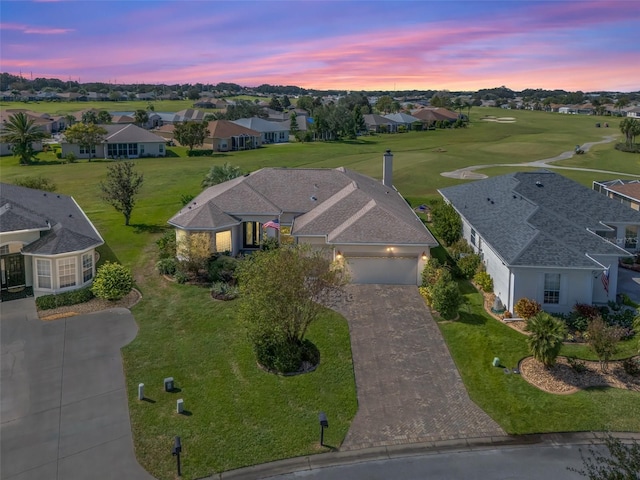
(517,406)
(62,108)
(241,415)
(238,414)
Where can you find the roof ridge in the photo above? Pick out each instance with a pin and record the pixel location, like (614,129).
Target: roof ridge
(328,203)
(359,214)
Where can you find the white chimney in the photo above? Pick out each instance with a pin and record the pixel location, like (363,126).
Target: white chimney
(387,169)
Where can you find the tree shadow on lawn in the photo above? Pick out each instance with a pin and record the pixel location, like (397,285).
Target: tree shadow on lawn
(145,228)
(106,254)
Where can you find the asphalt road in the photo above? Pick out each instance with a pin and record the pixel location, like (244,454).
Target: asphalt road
(519,463)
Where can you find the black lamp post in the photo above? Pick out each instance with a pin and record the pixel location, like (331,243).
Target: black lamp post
(324,423)
(177,448)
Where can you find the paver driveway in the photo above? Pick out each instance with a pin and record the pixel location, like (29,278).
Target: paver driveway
(409,389)
(64,408)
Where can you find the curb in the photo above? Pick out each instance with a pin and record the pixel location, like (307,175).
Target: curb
(332,459)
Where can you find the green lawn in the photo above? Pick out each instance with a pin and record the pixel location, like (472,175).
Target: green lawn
(516,405)
(238,415)
(241,415)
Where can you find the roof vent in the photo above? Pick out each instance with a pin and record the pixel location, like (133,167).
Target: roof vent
(514,197)
(492,202)
(488,199)
(313,198)
(539,184)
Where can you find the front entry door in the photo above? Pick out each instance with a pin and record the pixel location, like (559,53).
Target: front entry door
(13,274)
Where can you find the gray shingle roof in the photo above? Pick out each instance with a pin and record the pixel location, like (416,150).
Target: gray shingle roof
(340,204)
(130,133)
(64,225)
(540,218)
(260,125)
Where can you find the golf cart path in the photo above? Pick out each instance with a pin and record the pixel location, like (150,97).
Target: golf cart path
(470,173)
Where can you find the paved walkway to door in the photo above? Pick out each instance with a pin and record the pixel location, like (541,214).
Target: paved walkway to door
(409,389)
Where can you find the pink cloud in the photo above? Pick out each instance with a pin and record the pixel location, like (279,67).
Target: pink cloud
(35,29)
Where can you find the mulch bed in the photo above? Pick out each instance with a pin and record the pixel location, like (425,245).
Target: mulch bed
(93,305)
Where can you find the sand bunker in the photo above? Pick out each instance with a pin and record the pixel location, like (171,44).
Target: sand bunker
(491,118)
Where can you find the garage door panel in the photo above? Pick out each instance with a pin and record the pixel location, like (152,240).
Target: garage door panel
(384,270)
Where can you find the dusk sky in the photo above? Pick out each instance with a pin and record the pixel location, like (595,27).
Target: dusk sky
(356,45)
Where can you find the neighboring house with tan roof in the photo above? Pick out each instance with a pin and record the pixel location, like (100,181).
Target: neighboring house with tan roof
(227,136)
(121,141)
(545,237)
(46,241)
(626,192)
(360,221)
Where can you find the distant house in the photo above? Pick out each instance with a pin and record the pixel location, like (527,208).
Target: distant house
(271,132)
(634,112)
(545,237)
(626,192)
(357,220)
(408,121)
(46,241)
(45,124)
(121,141)
(379,124)
(431,115)
(226,136)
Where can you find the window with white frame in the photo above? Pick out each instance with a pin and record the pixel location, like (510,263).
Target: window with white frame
(551,288)
(67,272)
(473,237)
(43,272)
(87,267)
(223,241)
(84,150)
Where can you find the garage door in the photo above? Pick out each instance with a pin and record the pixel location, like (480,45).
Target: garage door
(385,270)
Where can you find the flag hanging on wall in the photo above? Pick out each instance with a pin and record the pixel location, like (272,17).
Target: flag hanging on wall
(275,223)
(605,279)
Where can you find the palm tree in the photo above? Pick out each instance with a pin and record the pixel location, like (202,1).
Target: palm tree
(631,129)
(546,336)
(221,173)
(21,131)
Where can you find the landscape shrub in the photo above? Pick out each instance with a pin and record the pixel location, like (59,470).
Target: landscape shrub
(603,340)
(200,153)
(468,264)
(431,272)
(286,357)
(167,266)
(458,247)
(167,244)
(74,297)
(484,281)
(632,366)
(577,365)
(224,291)
(445,296)
(181,276)
(113,281)
(527,308)
(587,311)
(70,157)
(222,268)
(546,334)
(623,147)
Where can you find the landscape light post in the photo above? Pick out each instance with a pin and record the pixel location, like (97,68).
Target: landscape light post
(177,448)
(324,423)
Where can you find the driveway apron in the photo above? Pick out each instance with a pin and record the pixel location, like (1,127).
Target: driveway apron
(409,389)
(64,408)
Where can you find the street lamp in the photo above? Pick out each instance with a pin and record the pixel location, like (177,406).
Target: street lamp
(324,423)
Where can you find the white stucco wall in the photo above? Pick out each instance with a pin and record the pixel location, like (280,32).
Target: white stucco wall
(54,261)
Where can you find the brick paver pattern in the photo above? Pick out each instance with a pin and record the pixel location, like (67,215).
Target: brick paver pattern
(409,389)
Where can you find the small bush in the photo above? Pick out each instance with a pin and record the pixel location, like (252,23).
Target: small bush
(587,311)
(458,247)
(70,157)
(113,281)
(632,366)
(167,266)
(224,291)
(167,244)
(74,297)
(286,357)
(484,281)
(181,276)
(431,271)
(445,296)
(200,153)
(527,308)
(222,269)
(469,265)
(577,365)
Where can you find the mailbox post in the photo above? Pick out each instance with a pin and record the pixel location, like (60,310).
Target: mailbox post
(177,448)
(324,423)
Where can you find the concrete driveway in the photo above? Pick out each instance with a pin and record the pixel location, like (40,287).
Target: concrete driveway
(409,389)
(64,409)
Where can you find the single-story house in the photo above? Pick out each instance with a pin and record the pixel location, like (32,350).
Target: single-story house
(431,115)
(409,121)
(626,192)
(46,241)
(545,237)
(272,132)
(121,141)
(43,124)
(361,222)
(227,136)
(379,124)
